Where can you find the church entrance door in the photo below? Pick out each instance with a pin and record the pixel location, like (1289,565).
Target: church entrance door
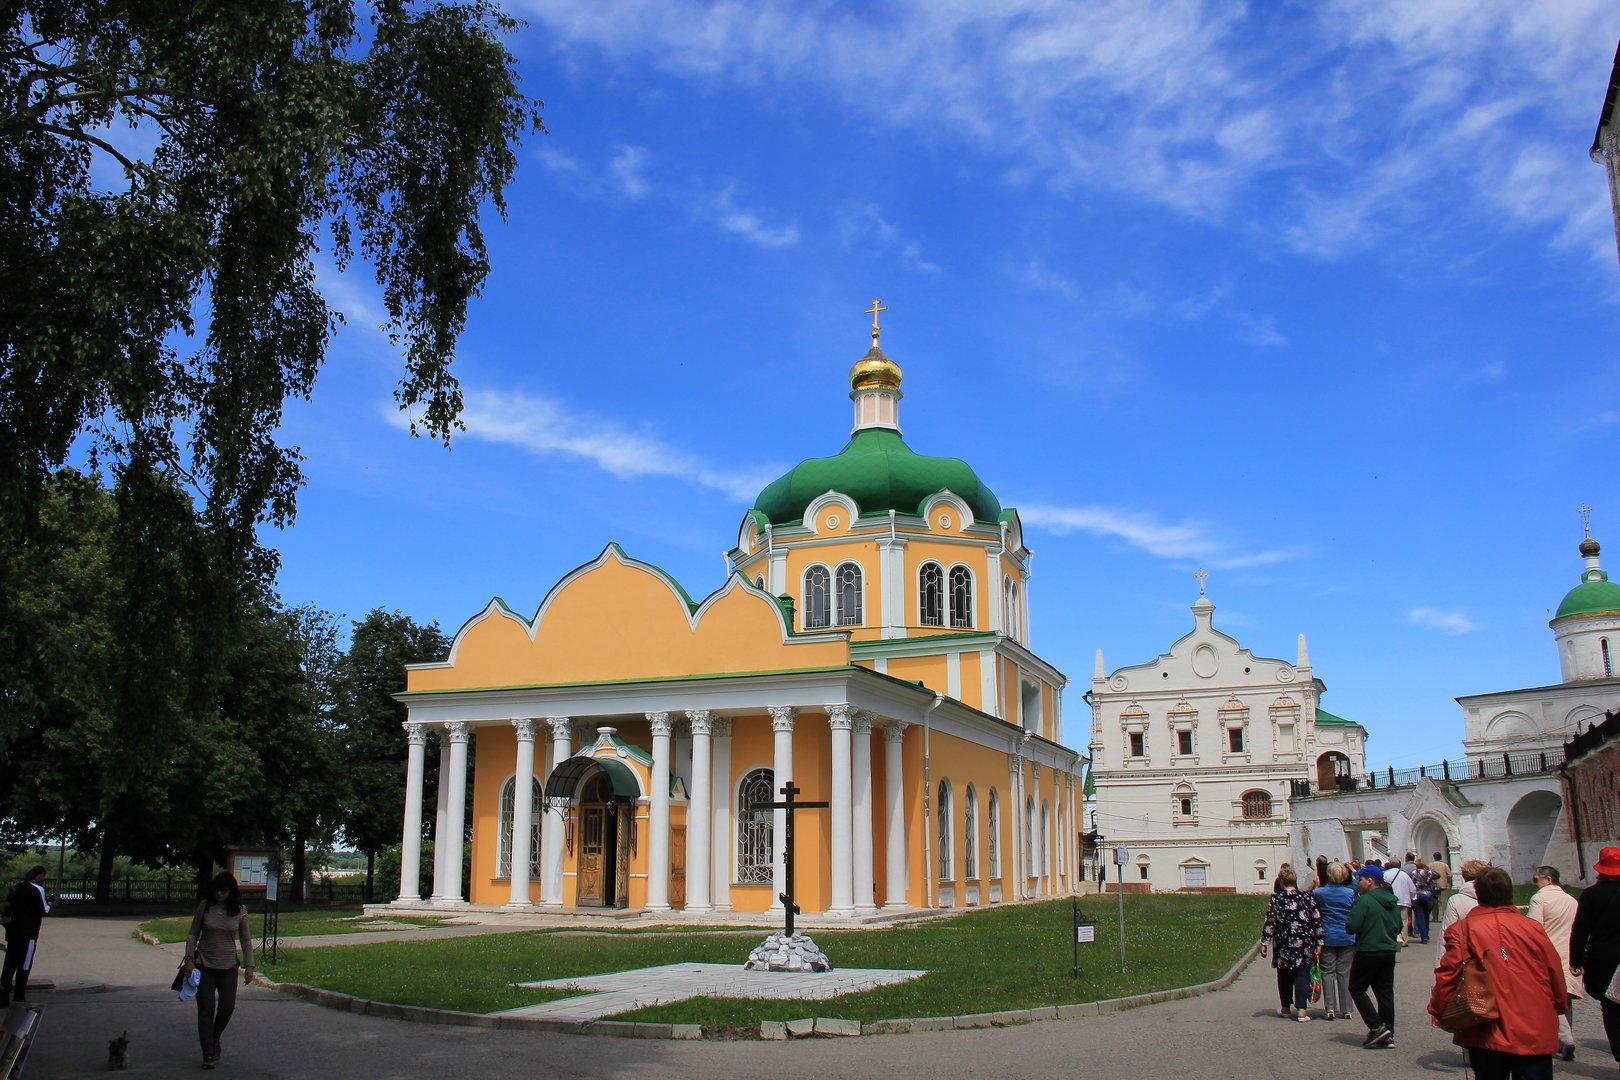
(677,866)
(600,884)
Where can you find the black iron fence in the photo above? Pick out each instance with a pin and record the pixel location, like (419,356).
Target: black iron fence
(1496,765)
(321,892)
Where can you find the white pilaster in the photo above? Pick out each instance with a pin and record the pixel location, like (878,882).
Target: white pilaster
(894,734)
(841,722)
(699,813)
(552,828)
(1015,785)
(658,819)
(410,841)
(441,810)
(861,770)
(522,814)
(455,815)
(782,770)
(1040,829)
(721,846)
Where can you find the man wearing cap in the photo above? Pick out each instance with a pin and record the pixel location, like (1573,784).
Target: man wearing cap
(1594,942)
(1376,922)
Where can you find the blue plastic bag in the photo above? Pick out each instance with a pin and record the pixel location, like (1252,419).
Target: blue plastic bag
(193,981)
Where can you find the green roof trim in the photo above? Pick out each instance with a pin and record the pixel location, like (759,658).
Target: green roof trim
(880,472)
(1327,719)
(1089,791)
(1597,595)
(680,590)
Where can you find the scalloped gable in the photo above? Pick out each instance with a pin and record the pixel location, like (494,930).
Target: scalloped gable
(616,619)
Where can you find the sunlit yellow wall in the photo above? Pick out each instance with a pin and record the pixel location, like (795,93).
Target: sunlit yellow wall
(619,621)
(752,747)
(962,762)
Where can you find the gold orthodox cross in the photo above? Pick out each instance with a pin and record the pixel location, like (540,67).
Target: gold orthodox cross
(877,306)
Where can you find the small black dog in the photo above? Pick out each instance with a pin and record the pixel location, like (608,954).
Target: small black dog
(118,1052)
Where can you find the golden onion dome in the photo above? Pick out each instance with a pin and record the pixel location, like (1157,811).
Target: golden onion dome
(874,371)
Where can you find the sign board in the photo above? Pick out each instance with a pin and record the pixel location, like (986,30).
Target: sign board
(253,868)
(1122,856)
(1086,934)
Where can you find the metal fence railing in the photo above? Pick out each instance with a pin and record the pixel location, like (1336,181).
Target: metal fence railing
(1495,765)
(320,892)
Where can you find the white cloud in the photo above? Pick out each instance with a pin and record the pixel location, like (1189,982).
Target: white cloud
(1450,622)
(626,170)
(547,427)
(1350,121)
(724,211)
(863,229)
(1179,540)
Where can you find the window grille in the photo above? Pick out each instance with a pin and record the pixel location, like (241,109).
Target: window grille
(931,585)
(503,855)
(1256,804)
(849,594)
(961,597)
(754,827)
(970,834)
(995,834)
(945,830)
(817,598)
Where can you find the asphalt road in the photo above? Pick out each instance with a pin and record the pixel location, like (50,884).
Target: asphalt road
(1230,1033)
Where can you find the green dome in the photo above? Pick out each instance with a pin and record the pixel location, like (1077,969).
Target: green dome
(880,472)
(1595,595)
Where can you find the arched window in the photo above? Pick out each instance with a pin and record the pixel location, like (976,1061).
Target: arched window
(754,830)
(503,851)
(1608,665)
(1029,837)
(961,597)
(817,598)
(849,594)
(945,830)
(994,838)
(1009,608)
(970,834)
(1046,838)
(1256,804)
(931,594)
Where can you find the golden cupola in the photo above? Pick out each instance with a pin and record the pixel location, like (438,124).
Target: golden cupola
(874,384)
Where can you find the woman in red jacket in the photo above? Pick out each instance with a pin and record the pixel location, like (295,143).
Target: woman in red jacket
(1526,974)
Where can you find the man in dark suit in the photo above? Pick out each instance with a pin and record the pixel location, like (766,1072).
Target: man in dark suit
(26,908)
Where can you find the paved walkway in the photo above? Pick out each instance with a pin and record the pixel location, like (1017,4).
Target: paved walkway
(626,990)
(1233,1033)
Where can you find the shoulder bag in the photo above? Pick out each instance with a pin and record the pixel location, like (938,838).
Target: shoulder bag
(1475,1001)
(1613,991)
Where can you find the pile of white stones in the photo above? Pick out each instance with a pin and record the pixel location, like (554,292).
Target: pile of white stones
(782,953)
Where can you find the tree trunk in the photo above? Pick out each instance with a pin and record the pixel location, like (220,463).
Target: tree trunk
(299,872)
(371,873)
(104,871)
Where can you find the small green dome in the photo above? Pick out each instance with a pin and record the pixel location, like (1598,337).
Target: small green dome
(880,472)
(1596,595)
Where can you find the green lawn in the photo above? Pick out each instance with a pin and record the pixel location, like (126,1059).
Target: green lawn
(310,923)
(986,961)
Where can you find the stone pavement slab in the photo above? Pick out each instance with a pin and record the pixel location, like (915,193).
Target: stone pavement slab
(623,991)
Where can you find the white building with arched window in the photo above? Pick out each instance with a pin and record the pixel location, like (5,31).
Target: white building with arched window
(1194,755)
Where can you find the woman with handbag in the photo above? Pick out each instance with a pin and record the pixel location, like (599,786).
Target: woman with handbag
(1501,967)
(1294,926)
(1594,942)
(220,922)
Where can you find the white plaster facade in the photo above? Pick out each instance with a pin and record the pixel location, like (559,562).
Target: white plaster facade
(1194,754)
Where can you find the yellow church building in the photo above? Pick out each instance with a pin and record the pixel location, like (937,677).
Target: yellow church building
(870,645)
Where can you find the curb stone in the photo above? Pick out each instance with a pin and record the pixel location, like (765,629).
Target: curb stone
(770,1030)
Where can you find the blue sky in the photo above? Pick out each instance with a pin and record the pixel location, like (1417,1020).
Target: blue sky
(1320,297)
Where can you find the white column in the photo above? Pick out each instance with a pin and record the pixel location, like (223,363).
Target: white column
(455,814)
(522,814)
(841,721)
(1040,834)
(441,822)
(410,841)
(894,734)
(658,819)
(699,875)
(551,840)
(782,727)
(1015,780)
(720,848)
(861,770)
